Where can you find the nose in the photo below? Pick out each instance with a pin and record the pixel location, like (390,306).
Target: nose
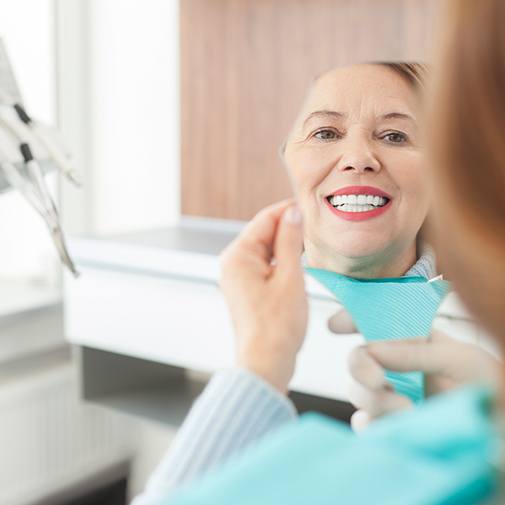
(357,155)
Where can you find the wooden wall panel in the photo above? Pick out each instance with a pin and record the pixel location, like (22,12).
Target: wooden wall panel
(245,67)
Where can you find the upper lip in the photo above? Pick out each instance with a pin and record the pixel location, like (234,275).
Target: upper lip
(360,190)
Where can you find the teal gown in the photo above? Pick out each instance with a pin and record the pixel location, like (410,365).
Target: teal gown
(443,452)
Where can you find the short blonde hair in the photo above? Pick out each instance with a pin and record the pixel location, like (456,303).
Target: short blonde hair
(414,73)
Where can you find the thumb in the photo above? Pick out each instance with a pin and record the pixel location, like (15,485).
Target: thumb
(342,323)
(418,354)
(360,420)
(288,245)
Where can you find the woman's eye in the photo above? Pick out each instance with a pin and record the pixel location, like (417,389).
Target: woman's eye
(395,137)
(326,134)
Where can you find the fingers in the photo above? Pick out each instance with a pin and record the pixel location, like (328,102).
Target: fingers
(288,245)
(251,252)
(261,230)
(364,369)
(412,355)
(342,322)
(434,355)
(377,402)
(369,390)
(446,362)
(360,420)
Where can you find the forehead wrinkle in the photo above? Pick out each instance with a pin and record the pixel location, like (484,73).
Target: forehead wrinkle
(322,96)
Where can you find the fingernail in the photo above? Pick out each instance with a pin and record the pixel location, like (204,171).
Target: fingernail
(293,215)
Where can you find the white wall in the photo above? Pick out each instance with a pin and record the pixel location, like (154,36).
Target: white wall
(129,51)
(32,56)
(118,106)
(25,248)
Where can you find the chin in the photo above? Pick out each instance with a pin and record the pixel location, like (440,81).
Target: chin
(359,246)
(364,251)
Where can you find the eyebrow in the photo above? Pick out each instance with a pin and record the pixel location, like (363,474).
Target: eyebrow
(335,114)
(397,115)
(331,113)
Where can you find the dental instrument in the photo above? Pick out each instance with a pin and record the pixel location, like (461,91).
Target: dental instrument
(19,166)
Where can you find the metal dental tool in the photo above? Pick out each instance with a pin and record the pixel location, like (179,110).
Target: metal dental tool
(40,201)
(20,168)
(34,132)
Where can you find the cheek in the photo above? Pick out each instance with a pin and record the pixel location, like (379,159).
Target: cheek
(414,212)
(414,186)
(307,170)
(415,189)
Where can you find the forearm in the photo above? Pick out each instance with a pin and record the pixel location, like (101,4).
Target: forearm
(235,409)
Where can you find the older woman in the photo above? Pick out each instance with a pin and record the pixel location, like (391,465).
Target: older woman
(355,158)
(448,450)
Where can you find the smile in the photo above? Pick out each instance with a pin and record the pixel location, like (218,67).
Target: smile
(357,203)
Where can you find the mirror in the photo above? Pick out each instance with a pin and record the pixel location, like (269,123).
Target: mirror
(355,159)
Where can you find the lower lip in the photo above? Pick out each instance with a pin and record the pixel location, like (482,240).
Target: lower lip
(359,216)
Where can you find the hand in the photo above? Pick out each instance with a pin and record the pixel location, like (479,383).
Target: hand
(447,364)
(263,284)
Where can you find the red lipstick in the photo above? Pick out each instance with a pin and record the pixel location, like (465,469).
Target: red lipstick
(359,190)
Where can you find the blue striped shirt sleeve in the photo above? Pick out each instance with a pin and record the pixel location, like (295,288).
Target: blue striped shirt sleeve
(235,409)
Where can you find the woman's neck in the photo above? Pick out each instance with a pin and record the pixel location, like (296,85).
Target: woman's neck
(369,267)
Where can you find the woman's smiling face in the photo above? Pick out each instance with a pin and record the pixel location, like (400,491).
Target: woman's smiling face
(355,160)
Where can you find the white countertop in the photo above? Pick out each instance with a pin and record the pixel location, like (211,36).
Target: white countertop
(189,251)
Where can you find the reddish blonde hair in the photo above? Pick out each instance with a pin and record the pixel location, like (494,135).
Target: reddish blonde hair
(466,140)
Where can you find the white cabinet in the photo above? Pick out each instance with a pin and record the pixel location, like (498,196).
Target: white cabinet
(185,323)
(154,296)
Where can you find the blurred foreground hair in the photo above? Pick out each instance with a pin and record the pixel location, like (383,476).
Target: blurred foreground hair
(466,151)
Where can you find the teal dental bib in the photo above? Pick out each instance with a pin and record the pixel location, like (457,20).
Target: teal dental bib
(389,309)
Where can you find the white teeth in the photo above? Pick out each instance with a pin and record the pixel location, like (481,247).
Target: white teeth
(356,208)
(357,203)
(357,199)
